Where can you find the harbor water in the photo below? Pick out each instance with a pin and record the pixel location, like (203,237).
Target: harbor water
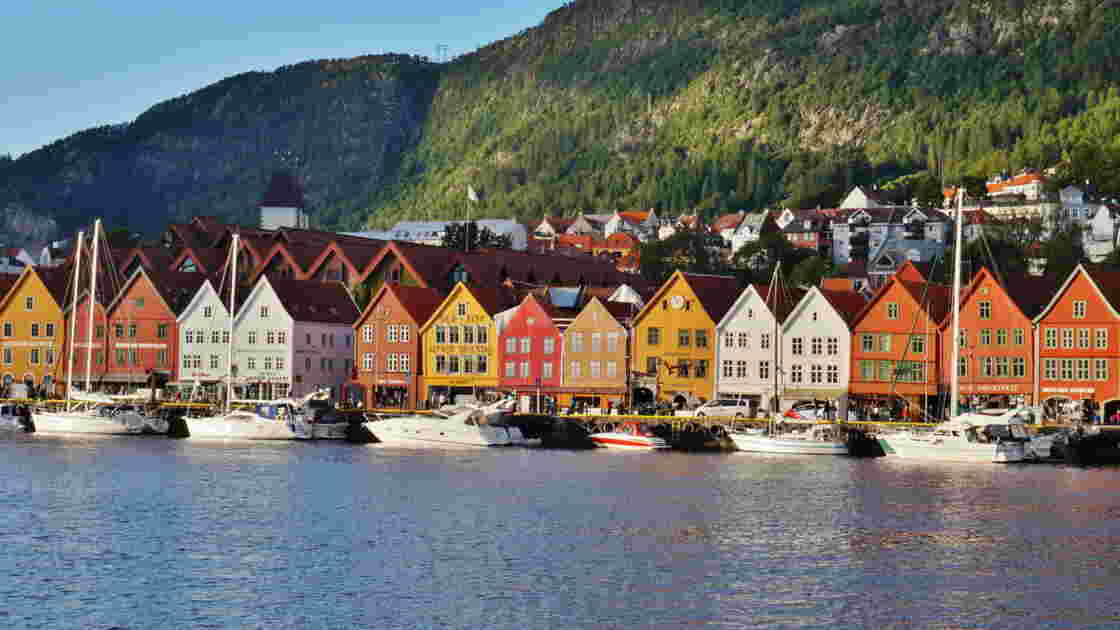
(146,533)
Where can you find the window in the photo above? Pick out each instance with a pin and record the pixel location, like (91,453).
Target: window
(550,345)
(1051,337)
(1102,338)
(268,363)
(280,363)
(367,333)
(795,346)
(574,369)
(595,368)
(1001,336)
(441,334)
(161,331)
(653,336)
(1100,369)
(985,336)
(307,364)
(186,361)
(962,366)
(1017,337)
(763,370)
(867,370)
(817,346)
(323,340)
(1018,367)
(453,364)
(816,373)
(118,330)
(701,338)
(322,364)
(453,334)
(546,369)
(480,335)
(576,340)
(215,336)
(833,374)
(480,362)
(8,329)
(118,356)
(391,362)
(986,365)
(213,362)
(764,341)
(701,368)
(1083,337)
(307,340)
(50,356)
(884,342)
(740,369)
(596,342)
(367,361)
(684,368)
(1050,369)
(225,336)
(391,333)
(918,344)
(612,369)
(527,344)
(745,340)
(461,309)
(524,369)
(867,343)
(441,364)
(795,373)
(1079,309)
(885,369)
(252,337)
(29,303)
(264,312)
(1083,369)
(188,337)
(511,345)
(728,340)
(33,356)
(34,330)
(651,365)
(405,333)
(1067,338)
(468,334)
(282,337)
(207,311)
(964,338)
(985,307)
(1067,369)
(684,337)
(1002,367)
(728,368)
(892,310)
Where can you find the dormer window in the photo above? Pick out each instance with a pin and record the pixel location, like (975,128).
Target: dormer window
(461,309)
(208,311)
(264,312)
(1079,309)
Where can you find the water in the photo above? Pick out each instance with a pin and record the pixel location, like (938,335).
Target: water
(146,533)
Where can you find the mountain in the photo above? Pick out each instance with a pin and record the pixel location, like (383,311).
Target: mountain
(674,104)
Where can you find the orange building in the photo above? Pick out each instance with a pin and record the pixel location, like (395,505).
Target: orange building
(32,329)
(896,346)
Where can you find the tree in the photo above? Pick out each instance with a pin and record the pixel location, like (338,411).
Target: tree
(1063,251)
(686,250)
(755,261)
(808,272)
(468,235)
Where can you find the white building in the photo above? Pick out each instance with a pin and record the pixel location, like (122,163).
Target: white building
(641,224)
(204,337)
(431,232)
(816,346)
(747,359)
(297,334)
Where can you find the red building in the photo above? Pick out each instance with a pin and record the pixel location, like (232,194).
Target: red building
(996,362)
(1077,339)
(529,351)
(142,330)
(895,346)
(388,354)
(95,347)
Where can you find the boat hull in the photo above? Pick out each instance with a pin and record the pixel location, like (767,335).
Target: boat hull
(332,431)
(627,441)
(85,423)
(906,447)
(762,444)
(428,430)
(222,428)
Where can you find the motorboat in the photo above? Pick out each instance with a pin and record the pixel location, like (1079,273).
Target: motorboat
(15,418)
(96,414)
(281,419)
(979,437)
(812,439)
(628,435)
(468,425)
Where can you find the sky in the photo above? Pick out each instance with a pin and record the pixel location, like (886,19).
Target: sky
(70,65)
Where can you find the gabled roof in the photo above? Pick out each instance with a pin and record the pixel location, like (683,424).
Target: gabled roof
(494,299)
(715,293)
(1030,293)
(7,281)
(283,192)
(935,299)
(310,301)
(418,302)
(847,303)
(1106,281)
(175,288)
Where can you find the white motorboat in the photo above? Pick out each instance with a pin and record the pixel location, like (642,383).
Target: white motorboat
(816,439)
(461,426)
(631,435)
(970,437)
(94,415)
(282,419)
(13,419)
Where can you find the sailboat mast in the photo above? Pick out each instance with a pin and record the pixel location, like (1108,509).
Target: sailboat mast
(958,245)
(92,301)
(74,317)
(232,296)
(773,291)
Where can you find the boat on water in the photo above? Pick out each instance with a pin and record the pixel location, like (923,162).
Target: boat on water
(96,414)
(281,419)
(15,418)
(970,437)
(813,439)
(450,426)
(630,434)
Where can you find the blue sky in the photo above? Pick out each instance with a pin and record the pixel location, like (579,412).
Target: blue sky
(69,65)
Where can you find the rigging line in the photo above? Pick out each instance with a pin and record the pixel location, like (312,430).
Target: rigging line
(924,302)
(991,257)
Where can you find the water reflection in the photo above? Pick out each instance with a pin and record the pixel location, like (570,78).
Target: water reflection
(140,532)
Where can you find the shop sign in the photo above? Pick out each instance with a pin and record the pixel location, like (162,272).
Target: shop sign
(999,388)
(1068,390)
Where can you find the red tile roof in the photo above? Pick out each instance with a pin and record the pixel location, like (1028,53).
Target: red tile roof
(937,299)
(1021,179)
(727,222)
(418,301)
(847,303)
(717,294)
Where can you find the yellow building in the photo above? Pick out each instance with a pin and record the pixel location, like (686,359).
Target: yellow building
(460,343)
(33,329)
(674,336)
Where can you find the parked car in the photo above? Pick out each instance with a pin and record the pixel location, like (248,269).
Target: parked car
(726,407)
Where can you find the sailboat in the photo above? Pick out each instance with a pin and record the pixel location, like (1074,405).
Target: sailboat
(86,411)
(968,437)
(816,439)
(283,419)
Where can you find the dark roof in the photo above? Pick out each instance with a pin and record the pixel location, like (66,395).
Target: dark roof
(177,288)
(283,192)
(57,279)
(7,281)
(937,299)
(494,299)
(1029,292)
(621,311)
(420,302)
(717,294)
(847,303)
(309,301)
(782,304)
(1107,280)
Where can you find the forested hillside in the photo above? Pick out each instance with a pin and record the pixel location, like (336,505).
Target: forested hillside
(675,104)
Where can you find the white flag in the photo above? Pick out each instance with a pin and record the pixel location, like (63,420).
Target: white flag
(472,194)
